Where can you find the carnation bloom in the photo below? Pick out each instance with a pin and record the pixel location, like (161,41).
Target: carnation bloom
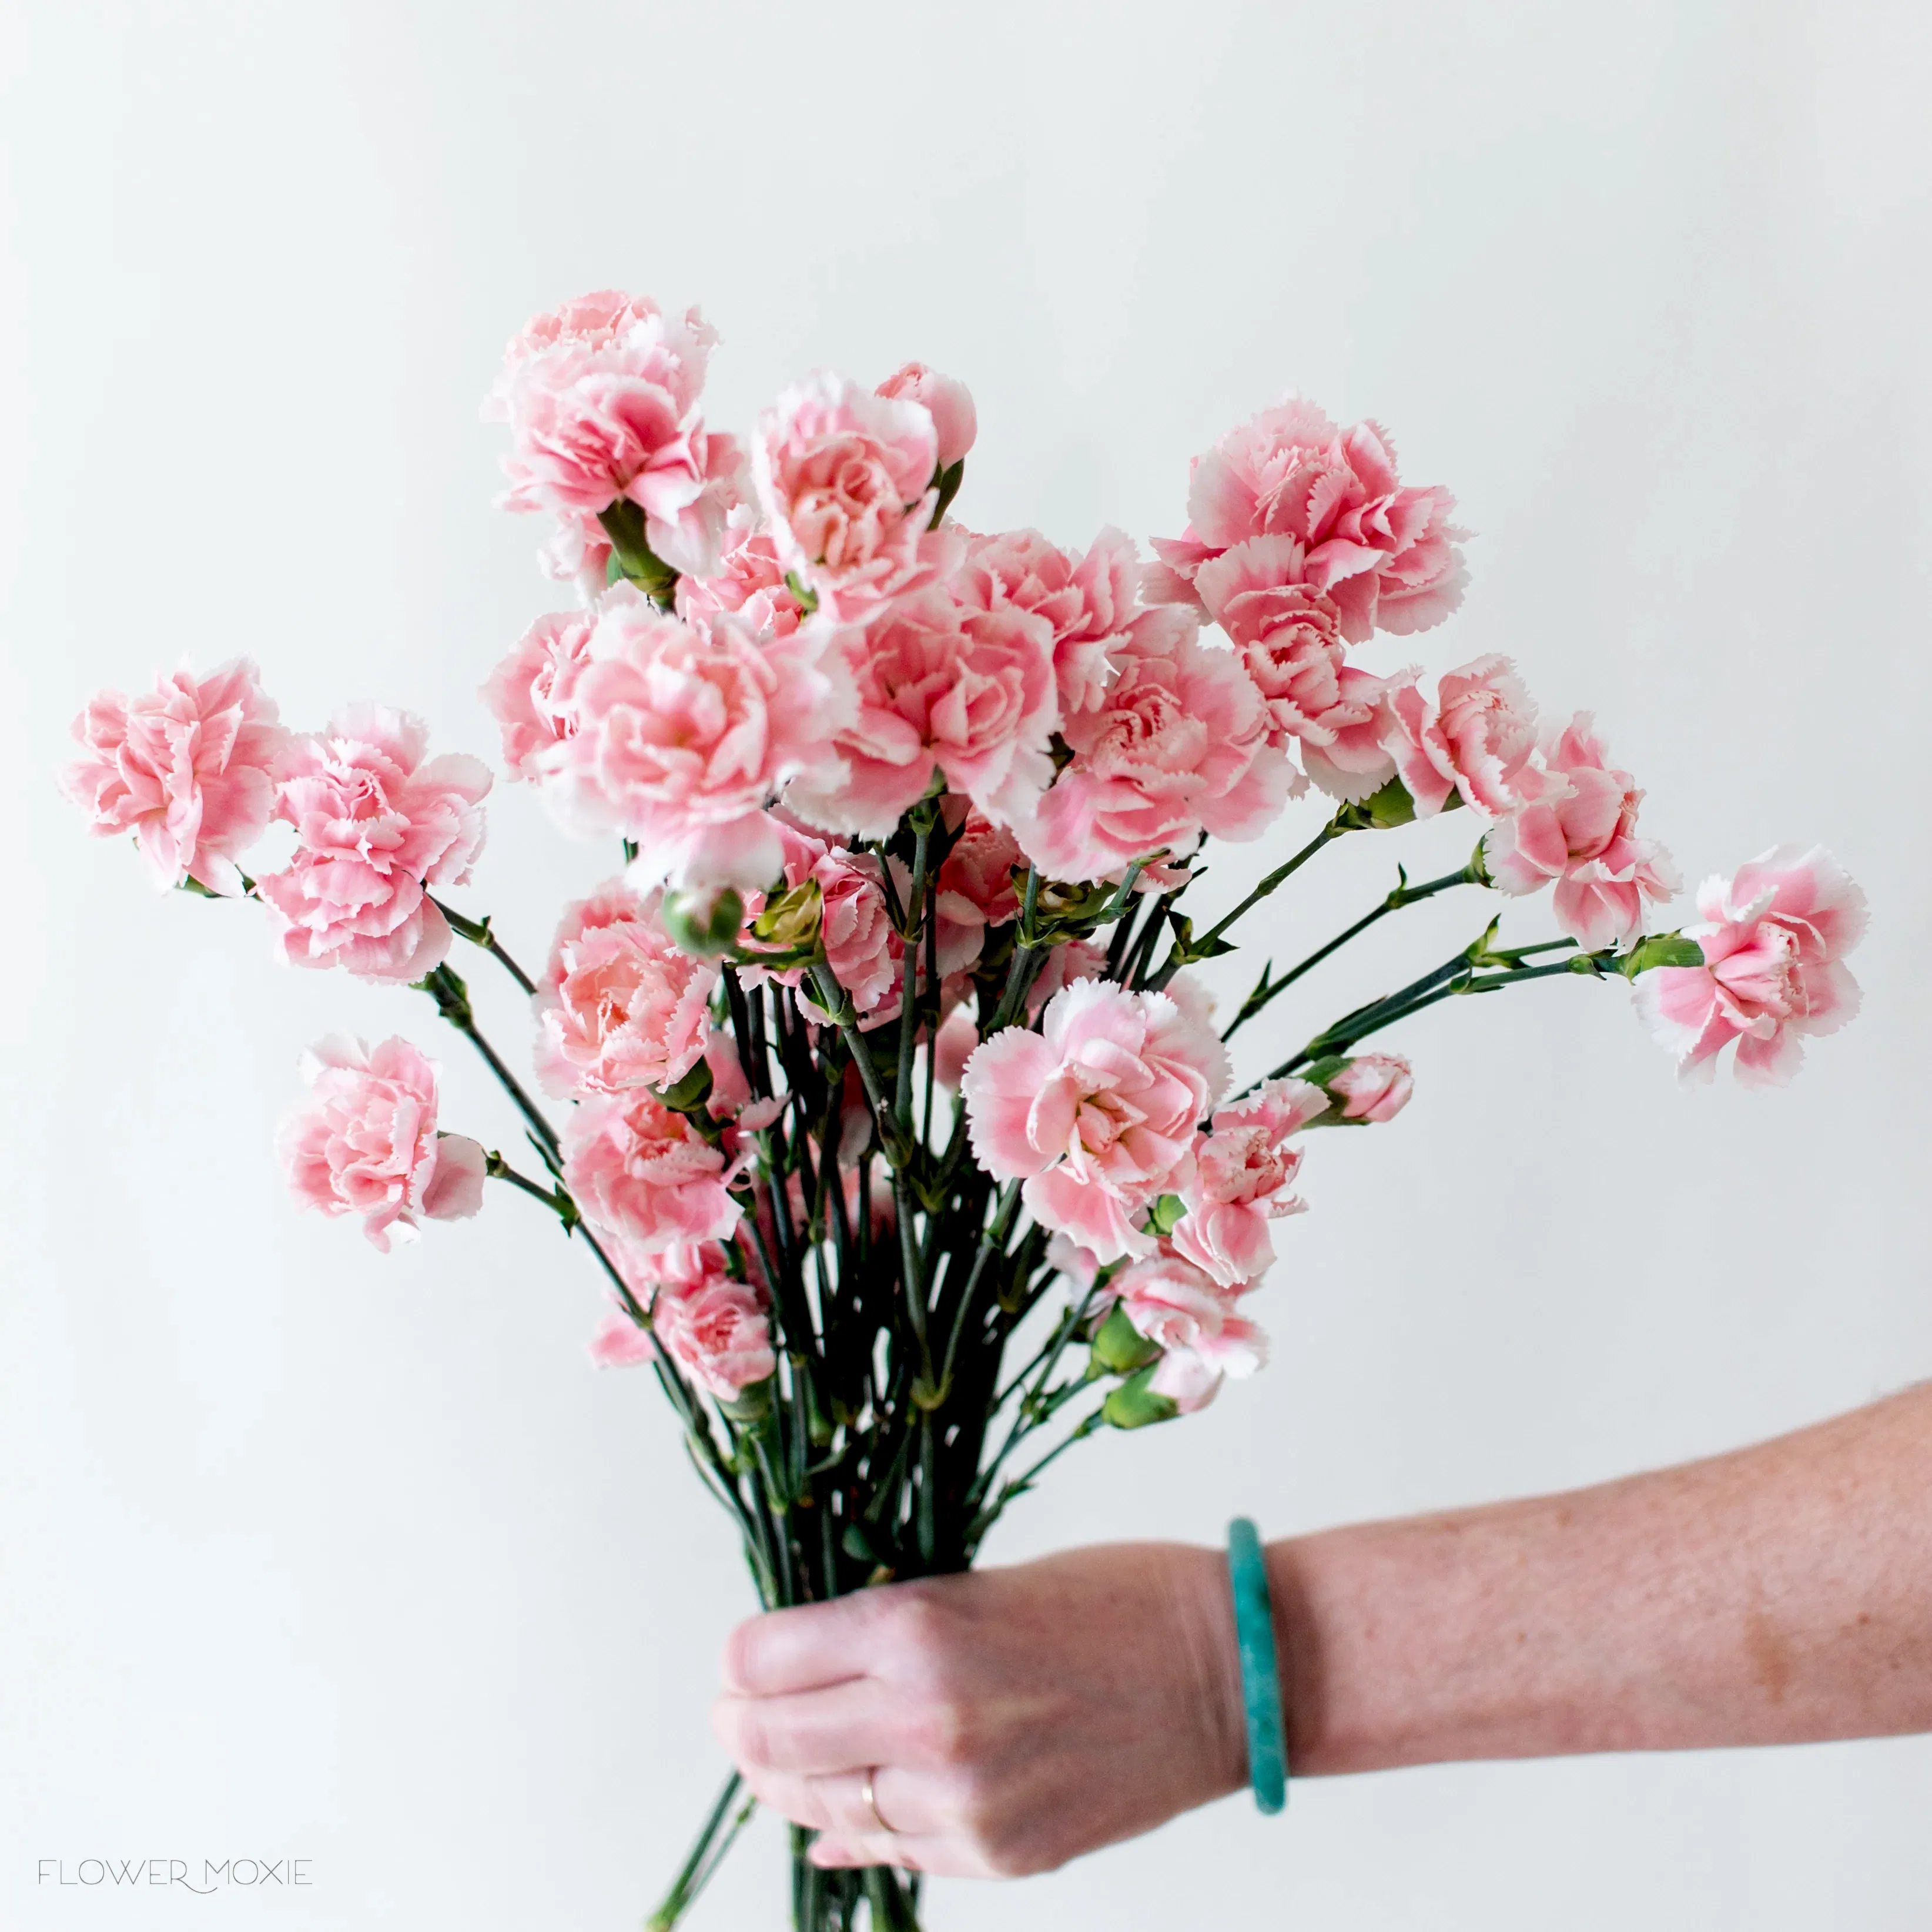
(968,695)
(376,823)
(1288,637)
(684,739)
(1177,746)
(601,400)
(974,890)
(1373,1087)
(1478,739)
(646,1173)
(529,693)
(862,946)
(749,583)
(1774,939)
(619,1343)
(845,479)
(1581,831)
(619,1006)
(1384,553)
(1091,603)
(1192,1318)
(716,1329)
(1096,1111)
(365,1143)
(956,423)
(1243,1178)
(188,768)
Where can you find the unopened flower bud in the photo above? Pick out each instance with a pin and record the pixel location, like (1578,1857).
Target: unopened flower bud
(703,924)
(791,922)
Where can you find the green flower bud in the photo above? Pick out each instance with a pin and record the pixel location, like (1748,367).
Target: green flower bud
(790,923)
(702,924)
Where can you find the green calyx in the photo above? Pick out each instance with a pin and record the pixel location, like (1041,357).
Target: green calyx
(1135,1405)
(1120,1348)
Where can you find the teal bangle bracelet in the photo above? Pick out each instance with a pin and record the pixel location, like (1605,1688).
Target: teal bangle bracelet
(1261,1666)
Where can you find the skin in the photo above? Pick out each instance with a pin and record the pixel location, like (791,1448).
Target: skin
(1018,1717)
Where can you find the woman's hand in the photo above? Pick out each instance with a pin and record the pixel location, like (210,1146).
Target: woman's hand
(1011,1719)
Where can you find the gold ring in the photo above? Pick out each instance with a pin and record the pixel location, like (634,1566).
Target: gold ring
(871,1798)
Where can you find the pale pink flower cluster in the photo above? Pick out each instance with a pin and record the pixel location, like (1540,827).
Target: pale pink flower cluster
(1242,1178)
(188,768)
(717,1330)
(683,739)
(366,1142)
(1579,831)
(376,824)
(1773,938)
(1383,554)
(530,693)
(646,1173)
(845,479)
(600,397)
(1096,1112)
(966,694)
(1190,1316)
(619,1006)
(714,1327)
(1176,747)
(862,945)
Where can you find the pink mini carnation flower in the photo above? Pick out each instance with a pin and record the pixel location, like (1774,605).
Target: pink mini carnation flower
(1774,939)
(845,479)
(1373,1087)
(530,693)
(1385,554)
(1092,602)
(1177,746)
(601,400)
(968,695)
(974,890)
(1581,832)
(862,946)
(1243,1178)
(365,1142)
(646,1173)
(956,423)
(619,1006)
(717,1330)
(1478,739)
(749,583)
(189,768)
(1096,1111)
(619,1343)
(376,823)
(1175,1304)
(684,739)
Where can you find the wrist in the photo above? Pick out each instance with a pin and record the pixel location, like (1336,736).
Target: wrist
(1215,1717)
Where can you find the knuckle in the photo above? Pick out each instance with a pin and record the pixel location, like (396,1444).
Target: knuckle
(752,1741)
(947,1731)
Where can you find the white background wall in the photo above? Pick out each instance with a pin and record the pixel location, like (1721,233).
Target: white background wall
(305,1551)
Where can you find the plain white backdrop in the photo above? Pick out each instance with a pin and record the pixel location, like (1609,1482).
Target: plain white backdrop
(304,1552)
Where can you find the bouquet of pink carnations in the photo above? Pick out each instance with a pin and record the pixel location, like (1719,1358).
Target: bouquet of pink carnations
(879,1088)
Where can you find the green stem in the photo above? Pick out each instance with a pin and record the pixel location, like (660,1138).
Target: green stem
(1333,830)
(702,1862)
(478,932)
(1404,894)
(452,999)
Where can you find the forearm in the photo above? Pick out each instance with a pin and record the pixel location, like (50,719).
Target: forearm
(1781,1593)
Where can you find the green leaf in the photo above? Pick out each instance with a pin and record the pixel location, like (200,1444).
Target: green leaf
(1164,1213)
(687,1095)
